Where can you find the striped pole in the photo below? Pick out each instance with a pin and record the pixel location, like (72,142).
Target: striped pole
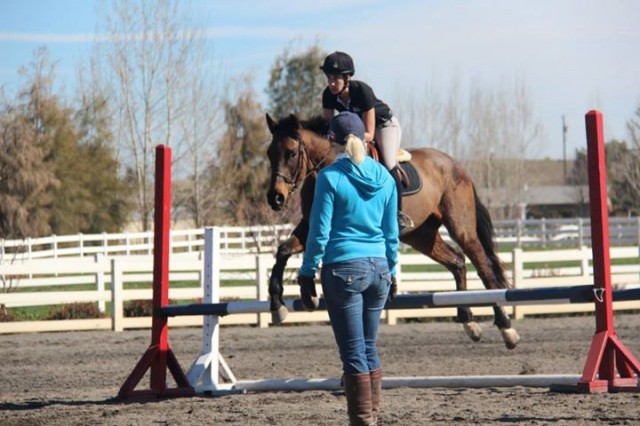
(445,299)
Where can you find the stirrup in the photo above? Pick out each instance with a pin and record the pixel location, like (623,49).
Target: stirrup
(405,221)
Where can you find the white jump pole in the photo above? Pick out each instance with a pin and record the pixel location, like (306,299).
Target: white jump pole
(537,380)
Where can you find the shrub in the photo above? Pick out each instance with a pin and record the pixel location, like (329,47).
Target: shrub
(140,308)
(6,315)
(75,311)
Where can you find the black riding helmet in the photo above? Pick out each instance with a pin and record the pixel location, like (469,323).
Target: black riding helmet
(338,63)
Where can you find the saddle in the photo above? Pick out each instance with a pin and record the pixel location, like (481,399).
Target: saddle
(409,178)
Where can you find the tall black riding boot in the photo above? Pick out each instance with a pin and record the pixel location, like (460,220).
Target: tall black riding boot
(404,221)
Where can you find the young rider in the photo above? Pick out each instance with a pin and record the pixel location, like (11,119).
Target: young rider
(345,94)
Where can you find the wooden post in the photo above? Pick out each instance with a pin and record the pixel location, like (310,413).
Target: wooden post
(610,365)
(159,355)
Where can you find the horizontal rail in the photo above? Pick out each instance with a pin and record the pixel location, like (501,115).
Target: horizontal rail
(531,380)
(265,239)
(512,297)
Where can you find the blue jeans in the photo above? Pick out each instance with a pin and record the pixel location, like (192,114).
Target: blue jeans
(355,292)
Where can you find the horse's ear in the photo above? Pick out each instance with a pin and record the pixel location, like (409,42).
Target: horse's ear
(272,124)
(295,121)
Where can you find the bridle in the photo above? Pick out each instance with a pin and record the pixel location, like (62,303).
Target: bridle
(294,181)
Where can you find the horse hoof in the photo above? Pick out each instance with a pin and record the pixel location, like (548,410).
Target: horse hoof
(473,330)
(278,316)
(510,337)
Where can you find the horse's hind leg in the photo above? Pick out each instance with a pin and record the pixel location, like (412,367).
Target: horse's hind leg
(293,245)
(430,243)
(487,269)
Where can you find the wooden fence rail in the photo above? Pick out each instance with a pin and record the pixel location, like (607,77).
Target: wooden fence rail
(547,233)
(245,277)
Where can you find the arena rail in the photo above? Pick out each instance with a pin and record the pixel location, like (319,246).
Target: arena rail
(110,280)
(527,233)
(609,365)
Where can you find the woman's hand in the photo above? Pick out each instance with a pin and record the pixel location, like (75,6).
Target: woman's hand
(308,293)
(393,290)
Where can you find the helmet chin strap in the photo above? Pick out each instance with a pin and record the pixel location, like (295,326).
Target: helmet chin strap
(346,84)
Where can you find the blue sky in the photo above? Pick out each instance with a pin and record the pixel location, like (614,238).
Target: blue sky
(573,55)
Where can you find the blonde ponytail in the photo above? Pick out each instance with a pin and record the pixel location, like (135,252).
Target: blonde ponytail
(355,149)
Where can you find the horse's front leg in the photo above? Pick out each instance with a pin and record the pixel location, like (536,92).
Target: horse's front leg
(293,245)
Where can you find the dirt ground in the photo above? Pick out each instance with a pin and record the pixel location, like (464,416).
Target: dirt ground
(73,378)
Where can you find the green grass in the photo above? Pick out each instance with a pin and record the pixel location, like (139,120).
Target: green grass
(30,313)
(39,313)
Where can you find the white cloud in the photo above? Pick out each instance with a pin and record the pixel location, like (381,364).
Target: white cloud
(45,37)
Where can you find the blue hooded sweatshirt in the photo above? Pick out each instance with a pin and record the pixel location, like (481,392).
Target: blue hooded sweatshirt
(354,215)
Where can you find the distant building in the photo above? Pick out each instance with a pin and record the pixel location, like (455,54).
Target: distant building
(553,201)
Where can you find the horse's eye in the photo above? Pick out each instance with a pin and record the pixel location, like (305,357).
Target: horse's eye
(290,154)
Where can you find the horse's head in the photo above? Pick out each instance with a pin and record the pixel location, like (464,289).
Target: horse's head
(287,158)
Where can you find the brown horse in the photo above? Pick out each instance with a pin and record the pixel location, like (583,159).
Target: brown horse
(448,197)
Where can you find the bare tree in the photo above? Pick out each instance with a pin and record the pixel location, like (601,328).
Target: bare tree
(630,164)
(493,133)
(201,129)
(151,71)
(240,172)
(432,117)
(519,138)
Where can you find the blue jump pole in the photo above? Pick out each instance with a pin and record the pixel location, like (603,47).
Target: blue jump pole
(448,299)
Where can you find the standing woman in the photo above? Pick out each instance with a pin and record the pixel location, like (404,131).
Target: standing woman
(345,94)
(354,232)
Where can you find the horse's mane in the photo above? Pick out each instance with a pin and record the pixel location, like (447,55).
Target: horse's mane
(289,125)
(315,124)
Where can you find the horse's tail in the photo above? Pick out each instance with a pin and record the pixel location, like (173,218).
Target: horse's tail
(486,234)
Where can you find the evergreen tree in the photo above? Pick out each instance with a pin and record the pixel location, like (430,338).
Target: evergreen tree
(26,178)
(57,173)
(623,200)
(110,193)
(296,83)
(240,174)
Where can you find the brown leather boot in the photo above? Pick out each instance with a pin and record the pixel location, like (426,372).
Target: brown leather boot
(357,388)
(376,393)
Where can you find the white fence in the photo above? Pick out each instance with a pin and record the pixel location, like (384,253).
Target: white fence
(547,233)
(245,276)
